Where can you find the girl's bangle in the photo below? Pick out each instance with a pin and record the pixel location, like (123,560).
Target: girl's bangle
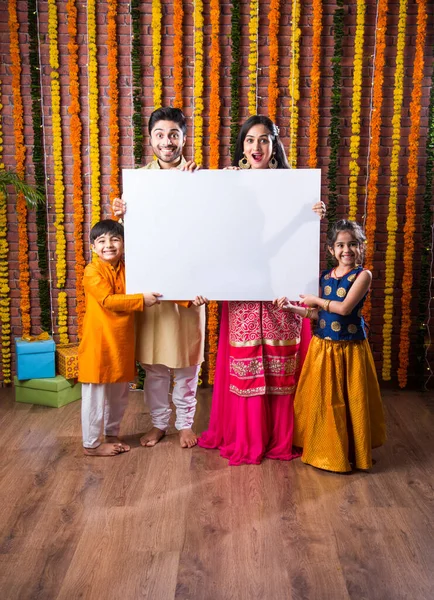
(309,313)
(326,306)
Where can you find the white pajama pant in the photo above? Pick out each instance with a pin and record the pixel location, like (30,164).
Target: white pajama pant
(156,389)
(102,408)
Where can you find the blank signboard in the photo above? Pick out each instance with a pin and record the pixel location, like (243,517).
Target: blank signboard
(226,235)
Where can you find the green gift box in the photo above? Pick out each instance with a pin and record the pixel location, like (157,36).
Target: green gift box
(51,391)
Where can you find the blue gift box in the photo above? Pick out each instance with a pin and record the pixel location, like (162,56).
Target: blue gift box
(35,360)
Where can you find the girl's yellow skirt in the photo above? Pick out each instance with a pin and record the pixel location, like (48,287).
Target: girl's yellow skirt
(339,414)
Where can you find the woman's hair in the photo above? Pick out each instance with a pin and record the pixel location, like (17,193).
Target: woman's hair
(106,226)
(345,225)
(278,150)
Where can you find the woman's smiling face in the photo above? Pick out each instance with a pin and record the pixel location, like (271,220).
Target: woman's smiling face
(258,147)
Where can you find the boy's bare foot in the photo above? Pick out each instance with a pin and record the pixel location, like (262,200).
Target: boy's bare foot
(152,438)
(104,449)
(187,438)
(113,439)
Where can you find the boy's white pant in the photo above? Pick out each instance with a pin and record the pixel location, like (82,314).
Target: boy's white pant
(102,409)
(156,388)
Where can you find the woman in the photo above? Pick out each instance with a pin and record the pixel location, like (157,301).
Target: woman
(261,349)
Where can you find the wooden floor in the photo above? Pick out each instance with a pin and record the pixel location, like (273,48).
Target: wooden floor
(169,523)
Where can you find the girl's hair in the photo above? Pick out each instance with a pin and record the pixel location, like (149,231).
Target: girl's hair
(106,226)
(278,150)
(345,225)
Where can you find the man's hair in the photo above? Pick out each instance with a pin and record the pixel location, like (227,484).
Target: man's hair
(106,226)
(168,113)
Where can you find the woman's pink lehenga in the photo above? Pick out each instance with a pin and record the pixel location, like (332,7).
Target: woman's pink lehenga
(252,414)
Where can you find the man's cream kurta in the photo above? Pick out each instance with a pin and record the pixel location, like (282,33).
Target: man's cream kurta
(170,334)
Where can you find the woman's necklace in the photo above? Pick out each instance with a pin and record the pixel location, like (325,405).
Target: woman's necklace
(336,276)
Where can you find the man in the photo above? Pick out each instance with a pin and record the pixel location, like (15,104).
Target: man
(170,336)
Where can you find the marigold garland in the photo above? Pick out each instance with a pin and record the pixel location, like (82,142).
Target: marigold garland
(355,117)
(315,77)
(113,71)
(212,325)
(20,153)
(412,178)
(59,188)
(77,180)
(392,221)
(38,156)
(253,56)
(178,59)
(294,82)
(137,83)
(5,301)
(214,100)
(95,193)
(273,88)
(198,81)
(235,72)
(157,17)
(374,157)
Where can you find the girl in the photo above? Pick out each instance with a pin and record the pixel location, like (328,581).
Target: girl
(337,408)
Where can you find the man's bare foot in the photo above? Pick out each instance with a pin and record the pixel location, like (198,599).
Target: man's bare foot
(104,449)
(187,438)
(113,439)
(152,438)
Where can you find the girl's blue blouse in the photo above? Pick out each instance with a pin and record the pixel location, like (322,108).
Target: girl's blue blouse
(331,326)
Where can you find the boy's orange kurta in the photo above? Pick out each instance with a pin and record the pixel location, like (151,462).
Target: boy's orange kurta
(106,351)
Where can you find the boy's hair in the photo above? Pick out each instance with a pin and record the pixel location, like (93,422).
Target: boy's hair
(278,149)
(345,225)
(168,113)
(106,226)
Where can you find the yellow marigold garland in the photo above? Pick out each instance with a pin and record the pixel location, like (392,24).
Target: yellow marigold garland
(77,181)
(214,100)
(392,222)
(178,16)
(59,188)
(294,82)
(315,77)
(374,157)
(355,117)
(412,178)
(273,88)
(157,17)
(20,154)
(112,61)
(198,81)
(95,193)
(214,129)
(5,300)
(253,55)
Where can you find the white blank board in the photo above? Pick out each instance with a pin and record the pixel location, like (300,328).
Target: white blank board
(226,235)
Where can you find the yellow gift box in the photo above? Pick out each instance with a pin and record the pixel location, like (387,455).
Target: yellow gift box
(67,360)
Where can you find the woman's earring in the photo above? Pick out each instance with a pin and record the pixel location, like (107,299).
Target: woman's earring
(244,163)
(273,163)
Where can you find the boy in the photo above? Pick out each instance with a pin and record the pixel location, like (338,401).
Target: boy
(106,353)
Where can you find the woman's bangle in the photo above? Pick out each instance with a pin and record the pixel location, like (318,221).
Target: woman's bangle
(326,306)
(309,313)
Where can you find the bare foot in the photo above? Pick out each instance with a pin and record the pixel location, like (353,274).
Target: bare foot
(187,438)
(152,438)
(104,449)
(113,439)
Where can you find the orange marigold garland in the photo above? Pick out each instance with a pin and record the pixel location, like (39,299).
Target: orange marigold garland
(77,181)
(112,61)
(178,16)
(412,178)
(214,130)
(315,77)
(20,154)
(374,157)
(5,300)
(273,88)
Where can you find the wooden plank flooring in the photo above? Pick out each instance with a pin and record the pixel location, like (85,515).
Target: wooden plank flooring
(168,523)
